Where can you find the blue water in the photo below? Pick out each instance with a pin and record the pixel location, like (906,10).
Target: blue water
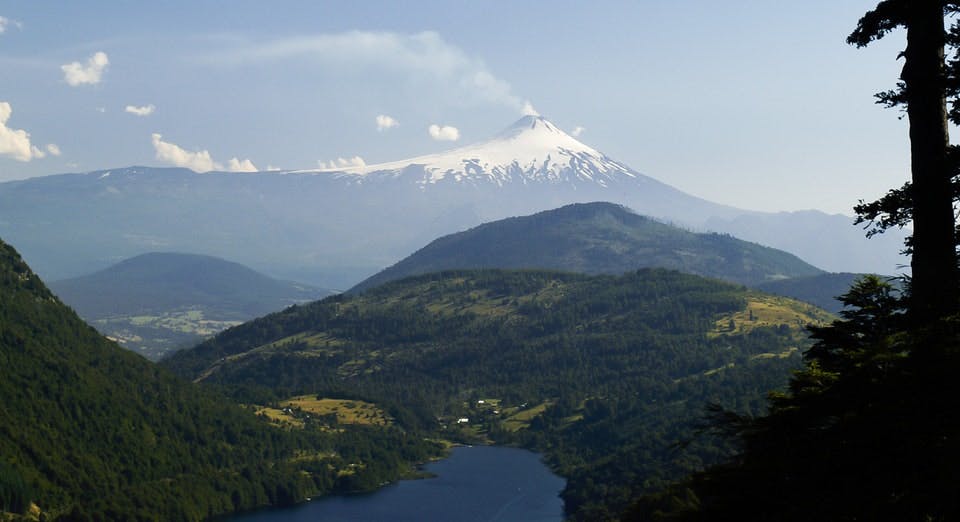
(475,484)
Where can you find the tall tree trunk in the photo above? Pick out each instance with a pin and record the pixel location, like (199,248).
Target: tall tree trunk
(934,261)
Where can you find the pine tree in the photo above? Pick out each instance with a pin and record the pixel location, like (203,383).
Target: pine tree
(927,201)
(870,428)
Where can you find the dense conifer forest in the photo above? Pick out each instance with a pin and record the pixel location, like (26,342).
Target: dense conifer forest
(604,374)
(90,431)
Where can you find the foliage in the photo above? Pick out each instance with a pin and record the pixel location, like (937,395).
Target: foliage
(99,433)
(868,428)
(927,82)
(15,494)
(603,374)
(820,290)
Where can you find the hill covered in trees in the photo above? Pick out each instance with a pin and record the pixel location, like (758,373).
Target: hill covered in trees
(821,290)
(155,303)
(605,374)
(597,238)
(90,431)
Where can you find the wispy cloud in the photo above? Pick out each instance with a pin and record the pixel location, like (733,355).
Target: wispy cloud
(385,122)
(197,161)
(354,163)
(577,131)
(528,110)
(7,22)
(53,149)
(15,143)
(444,132)
(143,110)
(423,56)
(91,73)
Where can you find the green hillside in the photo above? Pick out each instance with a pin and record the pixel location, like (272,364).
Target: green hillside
(602,373)
(89,431)
(820,290)
(597,238)
(158,302)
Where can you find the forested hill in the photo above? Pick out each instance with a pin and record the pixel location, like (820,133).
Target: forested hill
(89,431)
(159,302)
(820,290)
(597,238)
(603,373)
(162,281)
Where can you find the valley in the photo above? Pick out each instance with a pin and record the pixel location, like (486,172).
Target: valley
(597,366)
(606,367)
(160,302)
(462,261)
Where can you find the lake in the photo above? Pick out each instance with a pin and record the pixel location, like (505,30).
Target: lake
(475,484)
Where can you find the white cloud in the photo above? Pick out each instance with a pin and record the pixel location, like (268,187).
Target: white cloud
(444,132)
(354,163)
(53,149)
(236,165)
(76,73)
(144,110)
(424,58)
(199,161)
(528,110)
(15,143)
(385,122)
(577,131)
(6,22)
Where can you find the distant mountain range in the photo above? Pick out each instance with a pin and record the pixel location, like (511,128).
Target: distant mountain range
(334,229)
(156,302)
(597,238)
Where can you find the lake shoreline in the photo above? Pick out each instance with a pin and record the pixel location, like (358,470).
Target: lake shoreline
(506,481)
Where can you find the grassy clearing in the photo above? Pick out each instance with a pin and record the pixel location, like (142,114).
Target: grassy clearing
(347,411)
(279,417)
(520,419)
(790,352)
(184,321)
(294,412)
(767,310)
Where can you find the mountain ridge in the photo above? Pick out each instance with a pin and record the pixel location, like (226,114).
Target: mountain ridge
(333,229)
(595,238)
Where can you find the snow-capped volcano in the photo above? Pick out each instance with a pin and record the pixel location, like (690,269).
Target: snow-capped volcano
(532,149)
(335,227)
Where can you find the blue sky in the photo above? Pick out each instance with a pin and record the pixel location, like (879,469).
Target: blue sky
(757,104)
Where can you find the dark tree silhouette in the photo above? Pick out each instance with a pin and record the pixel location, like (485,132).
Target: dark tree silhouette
(925,83)
(868,430)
